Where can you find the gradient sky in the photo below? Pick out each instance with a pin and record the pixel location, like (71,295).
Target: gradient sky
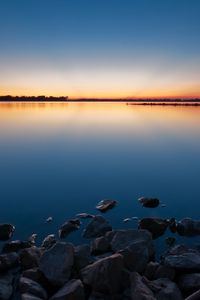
(93,48)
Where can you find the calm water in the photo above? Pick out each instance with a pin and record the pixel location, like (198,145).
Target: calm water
(61,159)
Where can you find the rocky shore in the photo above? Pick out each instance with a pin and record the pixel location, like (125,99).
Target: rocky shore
(111,265)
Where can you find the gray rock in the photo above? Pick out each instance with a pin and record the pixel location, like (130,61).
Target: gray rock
(156,226)
(6,288)
(104,276)
(189,282)
(15,246)
(188,227)
(100,245)
(6,231)
(165,272)
(49,241)
(68,227)
(165,289)
(194,296)
(30,257)
(135,245)
(181,258)
(139,290)
(35,274)
(71,290)
(28,286)
(29,297)
(56,263)
(8,261)
(97,227)
(82,256)
(84,216)
(149,202)
(106,204)
(150,270)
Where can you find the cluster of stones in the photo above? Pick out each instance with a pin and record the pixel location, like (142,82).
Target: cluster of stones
(113,265)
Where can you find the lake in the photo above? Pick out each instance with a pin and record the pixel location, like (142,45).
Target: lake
(60,159)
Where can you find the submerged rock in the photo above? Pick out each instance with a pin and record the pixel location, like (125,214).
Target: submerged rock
(68,227)
(156,226)
(56,263)
(27,285)
(106,204)
(97,227)
(170,241)
(105,275)
(71,290)
(188,227)
(149,202)
(6,231)
(49,219)
(84,216)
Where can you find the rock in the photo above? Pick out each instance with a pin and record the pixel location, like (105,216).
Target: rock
(6,231)
(97,227)
(29,286)
(49,241)
(49,219)
(68,227)
(100,245)
(56,263)
(165,289)
(139,290)
(104,276)
(71,290)
(82,256)
(149,202)
(188,227)
(151,270)
(127,220)
(8,261)
(182,258)
(189,282)
(29,258)
(194,296)
(29,297)
(84,216)
(165,272)
(135,245)
(106,204)
(15,246)
(32,238)
(6,288)
(172,225)
(156,226)
(35,274)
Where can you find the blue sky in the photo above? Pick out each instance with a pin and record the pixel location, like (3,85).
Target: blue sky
(113,48)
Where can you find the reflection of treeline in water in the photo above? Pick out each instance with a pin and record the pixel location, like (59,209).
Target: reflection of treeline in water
(32,98)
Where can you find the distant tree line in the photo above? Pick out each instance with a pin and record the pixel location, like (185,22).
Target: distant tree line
(9,98)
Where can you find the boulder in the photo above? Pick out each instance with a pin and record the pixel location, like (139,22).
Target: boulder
(188,227)
(104,276)
(106,204)
(189,282)
(8,261)
(165,289)
(29,258)
(49,241)
(71,290)
(100,245)
(34,274)
(68,227)
(29,297)
(139,290)
(15,246)
(182,258)
(56,263)
(149,202)
(29,286)
(97,227)
(135,245)
(165,272)
(151,269)
(194,296)
(6,231)
(6,288)
(156,226)
(82,256)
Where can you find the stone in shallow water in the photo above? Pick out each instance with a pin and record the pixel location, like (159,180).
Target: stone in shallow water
(68,227)
(49,241)
(71,290)
(6,231)
(156,226)
(56,263)
(149,202)
(105,275)
(106,204)
(84,216)
(97,227)
(188,227)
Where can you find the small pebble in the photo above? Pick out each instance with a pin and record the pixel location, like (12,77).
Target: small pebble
(49,219)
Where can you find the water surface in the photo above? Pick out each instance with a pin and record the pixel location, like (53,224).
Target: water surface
(59,159)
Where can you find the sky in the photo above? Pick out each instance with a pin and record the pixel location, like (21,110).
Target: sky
(100,49)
